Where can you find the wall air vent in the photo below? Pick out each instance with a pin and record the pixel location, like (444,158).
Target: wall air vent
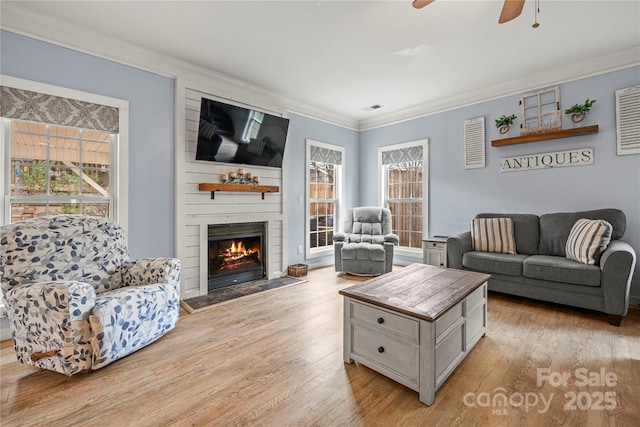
(372,107)
(474,143)
(628,120)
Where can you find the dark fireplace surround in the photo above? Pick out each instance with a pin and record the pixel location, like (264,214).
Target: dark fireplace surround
(236,253)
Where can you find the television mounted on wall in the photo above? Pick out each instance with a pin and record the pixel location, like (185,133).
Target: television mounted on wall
(233,134)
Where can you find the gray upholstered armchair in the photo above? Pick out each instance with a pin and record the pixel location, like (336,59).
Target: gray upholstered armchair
(366,245)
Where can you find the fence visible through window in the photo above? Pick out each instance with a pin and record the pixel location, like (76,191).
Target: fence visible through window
(322,201)
(404,199)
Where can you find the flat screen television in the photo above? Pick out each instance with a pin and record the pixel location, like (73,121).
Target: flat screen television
(232,134)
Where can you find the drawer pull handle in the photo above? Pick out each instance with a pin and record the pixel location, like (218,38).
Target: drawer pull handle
(380,349)
(380,320)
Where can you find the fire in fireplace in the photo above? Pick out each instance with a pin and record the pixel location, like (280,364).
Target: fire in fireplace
(235,254)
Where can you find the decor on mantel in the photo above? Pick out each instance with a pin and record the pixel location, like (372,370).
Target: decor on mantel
(579,111)
(504,124)
(239,178)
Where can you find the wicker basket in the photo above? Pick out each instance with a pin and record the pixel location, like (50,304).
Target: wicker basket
(298,270)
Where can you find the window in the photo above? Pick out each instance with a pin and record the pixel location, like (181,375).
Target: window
(324,193)
(403,190)
(64,152)
(58,170)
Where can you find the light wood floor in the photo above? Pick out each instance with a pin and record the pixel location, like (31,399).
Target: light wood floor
(275,359)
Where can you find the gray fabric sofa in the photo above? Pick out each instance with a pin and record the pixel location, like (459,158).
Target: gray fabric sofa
(365,247)
(540,269)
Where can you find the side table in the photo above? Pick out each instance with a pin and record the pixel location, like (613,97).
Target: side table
(434,251)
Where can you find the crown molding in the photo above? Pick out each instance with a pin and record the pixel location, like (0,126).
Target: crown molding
(17,20)
(36,26)
(613,61)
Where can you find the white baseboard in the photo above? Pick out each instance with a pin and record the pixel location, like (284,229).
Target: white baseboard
(321,263)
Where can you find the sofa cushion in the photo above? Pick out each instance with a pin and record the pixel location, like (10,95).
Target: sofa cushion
(489,262)
(363,250)
(587,240)
(526,230)
(555,228)
(560,269)
(493,235)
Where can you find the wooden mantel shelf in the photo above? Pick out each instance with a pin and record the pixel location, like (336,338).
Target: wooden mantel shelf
(239,188)
(563,133)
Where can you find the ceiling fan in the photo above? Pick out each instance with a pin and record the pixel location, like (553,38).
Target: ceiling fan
(511,9)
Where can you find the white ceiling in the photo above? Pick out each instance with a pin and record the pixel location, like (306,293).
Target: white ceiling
(347,55)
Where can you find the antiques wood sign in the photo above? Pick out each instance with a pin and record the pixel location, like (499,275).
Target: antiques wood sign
(558,159)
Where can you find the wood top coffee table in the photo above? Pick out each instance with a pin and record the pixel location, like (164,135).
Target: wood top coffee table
(416,324)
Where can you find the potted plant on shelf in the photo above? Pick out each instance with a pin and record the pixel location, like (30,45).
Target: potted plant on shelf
(579,111)
(504,123)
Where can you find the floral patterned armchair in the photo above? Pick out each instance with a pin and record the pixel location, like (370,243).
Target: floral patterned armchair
(74,299)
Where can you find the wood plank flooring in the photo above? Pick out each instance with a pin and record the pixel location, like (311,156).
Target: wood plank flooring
(275,359)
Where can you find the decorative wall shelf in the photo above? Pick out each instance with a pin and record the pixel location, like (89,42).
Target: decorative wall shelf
(238,188)
(563,133)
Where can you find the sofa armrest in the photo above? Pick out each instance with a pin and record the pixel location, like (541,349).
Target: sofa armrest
(392,238)
(148,271)
(340,237)
(49,323)
(388,254)
(337,254)
(457,246)
(617,264)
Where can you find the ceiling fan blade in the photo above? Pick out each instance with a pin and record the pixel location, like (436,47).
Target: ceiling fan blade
(419,4)
(510,10)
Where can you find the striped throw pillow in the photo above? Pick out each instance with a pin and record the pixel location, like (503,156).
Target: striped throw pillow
(493,235)
(588,239)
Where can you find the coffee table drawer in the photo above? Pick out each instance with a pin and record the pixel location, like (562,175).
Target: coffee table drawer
(476,324)
(448,319)
(475,298)
(398,356)
(384,320)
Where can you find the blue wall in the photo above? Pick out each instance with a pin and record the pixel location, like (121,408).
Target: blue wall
(457,195)
(151,128)
(300,129)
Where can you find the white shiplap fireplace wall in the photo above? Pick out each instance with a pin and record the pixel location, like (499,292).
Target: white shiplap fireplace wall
(196,209)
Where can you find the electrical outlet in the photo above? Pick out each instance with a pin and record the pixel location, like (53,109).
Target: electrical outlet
(299,249)
(299,200)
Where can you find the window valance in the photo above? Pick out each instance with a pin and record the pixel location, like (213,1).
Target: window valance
(401,155)
(325,155)
(38,107)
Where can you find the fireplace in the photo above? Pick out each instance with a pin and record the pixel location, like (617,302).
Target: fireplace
(235,253)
